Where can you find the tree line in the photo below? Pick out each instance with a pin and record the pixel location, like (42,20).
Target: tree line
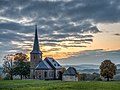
(20,65)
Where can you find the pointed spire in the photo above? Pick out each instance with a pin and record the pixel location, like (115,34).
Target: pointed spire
(36,48)
(36,42)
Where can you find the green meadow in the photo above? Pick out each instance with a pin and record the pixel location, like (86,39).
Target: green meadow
(58,85)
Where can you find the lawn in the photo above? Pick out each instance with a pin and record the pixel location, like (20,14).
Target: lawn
(58,85)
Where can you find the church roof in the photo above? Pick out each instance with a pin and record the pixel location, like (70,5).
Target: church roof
(43,65)
(36,48)
(48,63)
(71,71)
(53,63)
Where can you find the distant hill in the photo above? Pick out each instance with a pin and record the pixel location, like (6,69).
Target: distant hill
(89,68)
(84,66)
(89,71)
(118,66)
(1,69)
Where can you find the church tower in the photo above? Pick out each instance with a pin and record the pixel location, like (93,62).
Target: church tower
(35,55)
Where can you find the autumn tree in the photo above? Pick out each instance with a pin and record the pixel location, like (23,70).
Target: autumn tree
(17,64)
(63,70)
(22,66)
(107,69)
(8,65)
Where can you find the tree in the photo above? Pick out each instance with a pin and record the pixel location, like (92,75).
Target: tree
(63,70)
(7,64)
(108,69)
(78,75)
(83,76)
(22,66)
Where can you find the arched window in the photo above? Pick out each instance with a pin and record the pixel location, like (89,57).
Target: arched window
(34,56)
(45,74)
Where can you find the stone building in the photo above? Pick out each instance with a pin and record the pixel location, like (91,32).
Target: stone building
(48,68)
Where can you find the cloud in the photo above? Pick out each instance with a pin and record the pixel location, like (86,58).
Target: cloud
(117,34)
(67,46)
(92,57)
(63,23)
(51,50)
(98,11)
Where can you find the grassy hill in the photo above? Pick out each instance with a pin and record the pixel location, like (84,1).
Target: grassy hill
(58,85)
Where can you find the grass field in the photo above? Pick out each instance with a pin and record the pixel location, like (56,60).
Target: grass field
(58,85)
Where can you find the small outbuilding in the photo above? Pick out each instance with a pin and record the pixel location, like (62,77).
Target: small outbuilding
(70,74)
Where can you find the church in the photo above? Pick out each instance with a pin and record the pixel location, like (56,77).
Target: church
(45,69)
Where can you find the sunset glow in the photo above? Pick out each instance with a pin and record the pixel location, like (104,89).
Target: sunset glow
(71,31)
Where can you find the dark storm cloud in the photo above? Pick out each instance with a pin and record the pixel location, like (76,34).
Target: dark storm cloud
(15,27)
(12,9)
(57,20)
(49,44)
(11,35)
(63,40)
(99,11)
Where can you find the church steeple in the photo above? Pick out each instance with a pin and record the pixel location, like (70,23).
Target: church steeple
(36,42)
(36,48)
(35,55)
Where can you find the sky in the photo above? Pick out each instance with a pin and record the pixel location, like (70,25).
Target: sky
(71,31)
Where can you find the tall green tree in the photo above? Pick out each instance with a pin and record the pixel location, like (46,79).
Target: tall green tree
(22,66)
(107,69)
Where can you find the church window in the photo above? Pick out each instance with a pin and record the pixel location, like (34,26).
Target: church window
(51,73)
(34,57)
(45,74)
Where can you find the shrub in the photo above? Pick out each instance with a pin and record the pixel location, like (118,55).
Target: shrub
(0,77)
(98,79)
(7,77)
